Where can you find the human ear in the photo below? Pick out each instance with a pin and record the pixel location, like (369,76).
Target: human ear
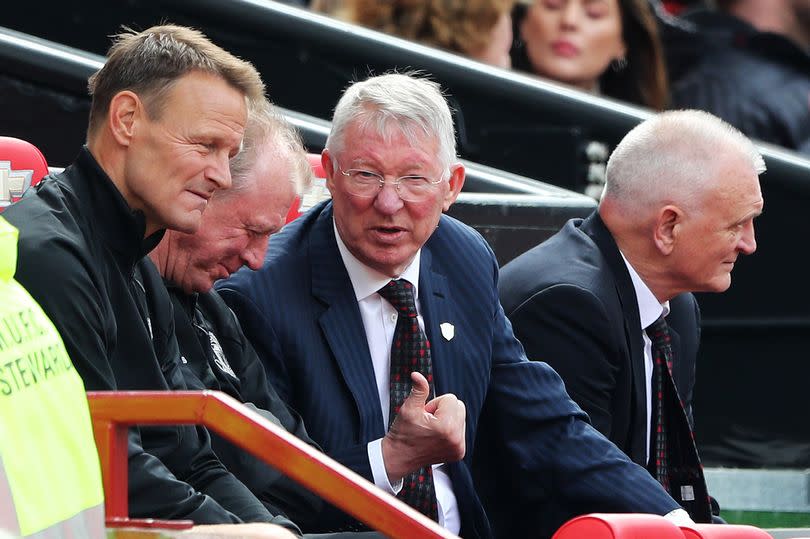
(125,107)
(456,182)
(328,169)
(668,225)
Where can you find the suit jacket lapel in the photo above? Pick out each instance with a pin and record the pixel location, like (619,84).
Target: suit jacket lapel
(677,374)
(342,324)
(436,308)
(596,229)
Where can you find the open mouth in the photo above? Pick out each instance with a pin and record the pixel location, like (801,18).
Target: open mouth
(388,233)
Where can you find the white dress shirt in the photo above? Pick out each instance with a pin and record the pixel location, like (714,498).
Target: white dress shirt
(649,311)
(379,321)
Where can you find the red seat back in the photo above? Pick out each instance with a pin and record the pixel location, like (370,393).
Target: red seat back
(618,526)
(21,166)
(316,188)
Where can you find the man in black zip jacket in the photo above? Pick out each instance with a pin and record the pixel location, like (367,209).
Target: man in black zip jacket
(168,112)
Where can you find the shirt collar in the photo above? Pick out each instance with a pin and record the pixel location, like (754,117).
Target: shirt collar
(649,310)
(367,281)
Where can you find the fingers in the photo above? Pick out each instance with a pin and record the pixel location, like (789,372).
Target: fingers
(451,415)
(420,390)
(424,433)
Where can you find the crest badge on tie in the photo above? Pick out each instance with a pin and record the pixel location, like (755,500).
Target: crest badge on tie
(448,330)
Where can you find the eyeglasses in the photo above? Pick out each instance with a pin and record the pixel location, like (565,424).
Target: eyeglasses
(367,184)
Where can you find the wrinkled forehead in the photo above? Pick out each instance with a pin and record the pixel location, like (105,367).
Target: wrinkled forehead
(366,137)
(392,130)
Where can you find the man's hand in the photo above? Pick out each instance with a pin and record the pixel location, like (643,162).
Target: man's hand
(424,433)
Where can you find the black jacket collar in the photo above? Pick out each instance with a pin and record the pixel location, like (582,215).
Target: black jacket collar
(121,228)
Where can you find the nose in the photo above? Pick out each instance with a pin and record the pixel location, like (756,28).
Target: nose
(387,200)
(748,241)
(220,172)
(571,12)
(253,255)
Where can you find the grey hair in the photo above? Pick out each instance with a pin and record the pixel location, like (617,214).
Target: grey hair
(266,127)
(408,101)
(149,63)
(672,156)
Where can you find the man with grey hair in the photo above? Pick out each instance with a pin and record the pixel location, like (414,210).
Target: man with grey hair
(168,112)
(270,171)
(678,209)
(377,317)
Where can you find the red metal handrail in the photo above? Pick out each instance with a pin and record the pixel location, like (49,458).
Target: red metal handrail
(115,411)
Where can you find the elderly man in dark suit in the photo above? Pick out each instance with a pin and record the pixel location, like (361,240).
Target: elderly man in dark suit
(373,303)
(673,219)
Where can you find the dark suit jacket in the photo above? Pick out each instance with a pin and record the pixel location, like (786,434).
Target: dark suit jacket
(572,304)
(300,312)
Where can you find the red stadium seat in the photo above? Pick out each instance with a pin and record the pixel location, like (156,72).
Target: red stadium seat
(317,167)
(619,526)
(723,531)
(21,166)
(318,172)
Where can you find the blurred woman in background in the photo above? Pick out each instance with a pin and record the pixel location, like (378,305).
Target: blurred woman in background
(479,29)
(608,47)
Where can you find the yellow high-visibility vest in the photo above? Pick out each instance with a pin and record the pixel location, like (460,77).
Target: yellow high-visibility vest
(50,477)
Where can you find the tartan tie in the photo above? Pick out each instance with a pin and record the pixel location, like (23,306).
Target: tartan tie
(674,459)
(410,351)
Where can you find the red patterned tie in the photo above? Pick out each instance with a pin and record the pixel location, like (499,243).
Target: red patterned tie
(674,459)
(410,351)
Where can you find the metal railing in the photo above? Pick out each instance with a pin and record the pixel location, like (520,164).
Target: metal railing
(114,412)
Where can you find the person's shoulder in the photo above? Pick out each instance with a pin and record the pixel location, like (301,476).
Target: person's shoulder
(50,236)
(568,243)
(57,263)
(568,263)
(42,206)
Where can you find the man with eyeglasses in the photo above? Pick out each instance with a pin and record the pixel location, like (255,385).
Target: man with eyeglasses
(378,319)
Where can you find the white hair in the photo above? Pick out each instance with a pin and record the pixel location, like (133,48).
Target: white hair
(413,104)
(267,129)
(673,156)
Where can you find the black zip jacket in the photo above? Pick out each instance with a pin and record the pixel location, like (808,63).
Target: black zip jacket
(216,355)
(79,243)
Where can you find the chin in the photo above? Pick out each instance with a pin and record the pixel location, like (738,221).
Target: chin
(721,285)
(189,225)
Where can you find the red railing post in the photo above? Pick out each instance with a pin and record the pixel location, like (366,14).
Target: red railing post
(113,412)
(111,441)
